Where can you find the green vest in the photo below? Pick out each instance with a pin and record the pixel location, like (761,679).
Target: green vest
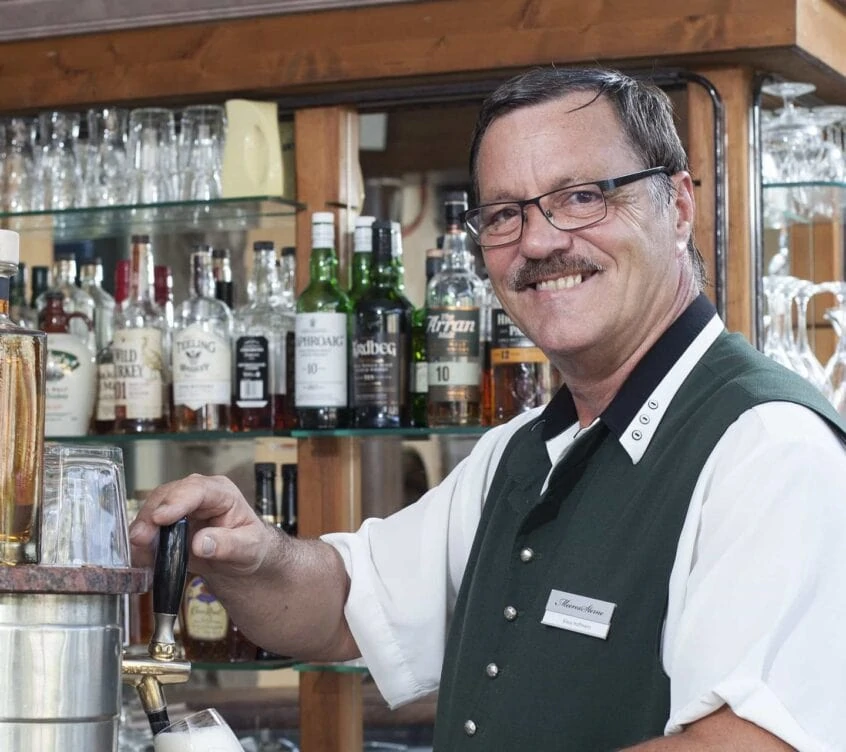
(606,529)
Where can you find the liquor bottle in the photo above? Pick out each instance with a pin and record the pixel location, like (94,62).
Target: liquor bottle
(362,247)
(104,413)
(208,634)
(266,505)
(41,281)
(262,392)
(163,297)
(76,299)
(420,365)
(397,262)
(521,375)
(289,499)
(453,327)
(202,355)
(140,344)
(19,312)
(381,344)
(486,316)
(222,271)
(288,279)
(321,329)
(23,357)
(91,280)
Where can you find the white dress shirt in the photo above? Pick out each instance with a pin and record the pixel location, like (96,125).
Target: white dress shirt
(757,596)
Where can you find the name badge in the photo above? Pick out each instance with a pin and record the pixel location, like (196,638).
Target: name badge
(576,613)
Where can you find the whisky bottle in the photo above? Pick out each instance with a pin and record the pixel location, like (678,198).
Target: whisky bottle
(266,505)
(222,271)
(262,392)
(397,263)
(289,499)
(521,375)
(420,365)
(91,280)
(104,413)
(202,356)
(453,328)
(486,317)
(381,344)
(23,356)
(362,248)
(19,312)
(139,350)
(321,335)
(75,299)
(288,278)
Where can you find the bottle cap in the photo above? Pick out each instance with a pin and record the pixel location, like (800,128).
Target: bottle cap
(140,239)
(364,221)
(219,253)
(265,468)
(289,469)
(263,245)
(289,250)
(323,218)
(10,246)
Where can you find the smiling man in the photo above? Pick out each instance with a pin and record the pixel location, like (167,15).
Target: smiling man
(654,560)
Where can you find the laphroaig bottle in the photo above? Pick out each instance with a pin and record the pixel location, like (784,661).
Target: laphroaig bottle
(202,355)
(453,327)
(521,375)
(139,348)
(321,341)
(23,355)
(362,247)
(262,392)
(381,344)
(91,280)
(420,365)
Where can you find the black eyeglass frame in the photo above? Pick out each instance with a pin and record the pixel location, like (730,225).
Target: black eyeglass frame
(604,185)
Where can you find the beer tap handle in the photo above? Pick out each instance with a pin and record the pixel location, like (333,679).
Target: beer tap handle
(168,584)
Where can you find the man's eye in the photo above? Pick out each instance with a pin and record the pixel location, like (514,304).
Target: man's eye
(500,214)
(581,197)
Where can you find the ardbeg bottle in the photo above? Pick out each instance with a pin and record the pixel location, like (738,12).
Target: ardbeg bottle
(453,299)
(381,344)
(321,335)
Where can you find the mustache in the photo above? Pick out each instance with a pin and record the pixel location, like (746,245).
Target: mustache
(537,270)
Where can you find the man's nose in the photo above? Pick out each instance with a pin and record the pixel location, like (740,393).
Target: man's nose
(540,238)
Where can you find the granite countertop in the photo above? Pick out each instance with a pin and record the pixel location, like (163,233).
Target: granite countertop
(29,578)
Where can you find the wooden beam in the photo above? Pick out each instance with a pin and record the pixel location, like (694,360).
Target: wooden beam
(735,88)
(277,54)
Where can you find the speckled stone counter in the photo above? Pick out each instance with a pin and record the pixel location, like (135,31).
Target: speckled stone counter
(40,579)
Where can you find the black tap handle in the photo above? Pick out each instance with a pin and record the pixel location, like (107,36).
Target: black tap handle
(171,568)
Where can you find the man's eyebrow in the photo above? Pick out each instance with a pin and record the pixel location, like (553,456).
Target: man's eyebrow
(501,196)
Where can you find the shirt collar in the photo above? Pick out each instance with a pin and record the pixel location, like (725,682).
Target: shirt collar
(636,411)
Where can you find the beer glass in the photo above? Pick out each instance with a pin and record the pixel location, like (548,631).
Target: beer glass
(203,731)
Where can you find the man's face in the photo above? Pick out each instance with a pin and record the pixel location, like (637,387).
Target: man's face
(598,290)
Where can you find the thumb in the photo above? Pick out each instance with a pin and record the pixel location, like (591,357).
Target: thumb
(241,550)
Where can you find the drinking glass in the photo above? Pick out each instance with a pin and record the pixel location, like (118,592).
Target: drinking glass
(60,171)
(107,181)
(203,731)
(776,345)
(802,291)
(19,167)
(84,507)
(152,144)
(201,138)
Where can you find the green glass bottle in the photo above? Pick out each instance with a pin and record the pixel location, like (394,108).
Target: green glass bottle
(362,247)
(321,335)
(420,365)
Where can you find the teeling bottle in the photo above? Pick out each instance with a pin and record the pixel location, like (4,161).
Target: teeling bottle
(381,344)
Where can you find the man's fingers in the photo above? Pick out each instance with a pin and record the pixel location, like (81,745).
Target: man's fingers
(242,549)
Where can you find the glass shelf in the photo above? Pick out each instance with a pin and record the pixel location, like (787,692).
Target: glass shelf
(406,433)
(224,214)
(269,665)
(194,436)
(350,667)
(803,202)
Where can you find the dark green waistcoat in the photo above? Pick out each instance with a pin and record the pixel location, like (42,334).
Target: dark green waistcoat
(606,529)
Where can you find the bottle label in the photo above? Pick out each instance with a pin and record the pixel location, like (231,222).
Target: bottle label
(420,377)
(377,368)
(252,372)
(452,347)
(139,372)
(105,392)
(71,386)
(205,617)
(321,360)
(505,333)
(202,368)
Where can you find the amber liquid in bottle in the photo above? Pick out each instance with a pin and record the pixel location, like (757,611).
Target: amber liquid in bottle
(22,411)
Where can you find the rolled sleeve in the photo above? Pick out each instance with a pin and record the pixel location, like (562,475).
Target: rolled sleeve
(757,601)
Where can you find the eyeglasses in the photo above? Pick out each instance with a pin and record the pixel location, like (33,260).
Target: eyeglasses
(573,207)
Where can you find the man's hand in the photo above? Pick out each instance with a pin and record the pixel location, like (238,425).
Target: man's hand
(226,535)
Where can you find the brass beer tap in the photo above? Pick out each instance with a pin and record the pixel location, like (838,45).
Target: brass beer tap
(162,666)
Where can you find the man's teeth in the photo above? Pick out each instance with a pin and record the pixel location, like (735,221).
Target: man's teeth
(561,283)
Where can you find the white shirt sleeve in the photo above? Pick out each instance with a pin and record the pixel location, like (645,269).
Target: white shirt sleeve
(405,571)
(757,601)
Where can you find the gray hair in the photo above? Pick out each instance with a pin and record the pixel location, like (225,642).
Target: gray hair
(644,110)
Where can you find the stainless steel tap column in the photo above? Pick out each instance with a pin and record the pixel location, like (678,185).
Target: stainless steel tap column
(60,656)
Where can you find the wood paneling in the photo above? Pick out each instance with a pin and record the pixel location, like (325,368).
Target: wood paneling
(394,42)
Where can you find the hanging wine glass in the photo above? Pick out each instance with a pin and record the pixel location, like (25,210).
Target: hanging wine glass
(802,292)
(775,344)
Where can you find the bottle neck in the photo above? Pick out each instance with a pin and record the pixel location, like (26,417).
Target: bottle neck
(141,273)
(323,265)
(361,269)
(65,273)
(202,282)
(455,248)
(5,290)
(382,270)
(265,277)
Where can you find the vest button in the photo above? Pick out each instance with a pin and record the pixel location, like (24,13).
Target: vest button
(469,728)
(510,613)
(492,670)
(526,555)
(653,404)
(644,419)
